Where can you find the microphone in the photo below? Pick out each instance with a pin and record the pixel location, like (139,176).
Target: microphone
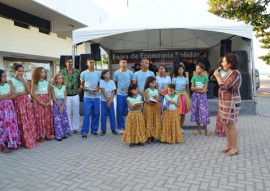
(213,78)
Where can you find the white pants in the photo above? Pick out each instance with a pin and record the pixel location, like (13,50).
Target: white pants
(73,110)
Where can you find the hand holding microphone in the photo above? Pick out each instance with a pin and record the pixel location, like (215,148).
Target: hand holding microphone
(217,72)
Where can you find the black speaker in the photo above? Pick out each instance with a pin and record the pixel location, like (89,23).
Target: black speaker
(95,52)
(242,60)
(83,58)
(63,64)
(245,89)
(225,47)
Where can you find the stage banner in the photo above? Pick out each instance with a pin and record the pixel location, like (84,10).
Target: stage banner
(157,56)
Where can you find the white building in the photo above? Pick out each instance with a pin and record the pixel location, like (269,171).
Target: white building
(35,35)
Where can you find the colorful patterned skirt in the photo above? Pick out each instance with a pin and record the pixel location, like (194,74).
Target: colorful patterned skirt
(60,121)
(152,120)
(171,127)
(43,117)
(26,121)
(184,103)
(219,127)
(135,128)
(9,133)
(199,109)
(229,110)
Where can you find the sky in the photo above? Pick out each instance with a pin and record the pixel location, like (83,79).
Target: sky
(109,8)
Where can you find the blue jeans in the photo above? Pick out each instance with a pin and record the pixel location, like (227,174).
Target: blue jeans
(104,112)
(121,107)
(91,104)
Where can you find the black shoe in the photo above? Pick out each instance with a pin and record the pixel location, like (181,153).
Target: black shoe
(84,136)
(64,137)
(141,144)
(59,139)
(131,145)
(114,132)
(102,133)
(95,133)
(75,132)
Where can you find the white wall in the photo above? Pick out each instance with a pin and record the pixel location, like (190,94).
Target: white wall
(31,41)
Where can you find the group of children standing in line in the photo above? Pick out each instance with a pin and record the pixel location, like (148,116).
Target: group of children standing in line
(158,112)
(24,121)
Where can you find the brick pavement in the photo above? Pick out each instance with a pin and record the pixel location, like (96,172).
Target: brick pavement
(105,163)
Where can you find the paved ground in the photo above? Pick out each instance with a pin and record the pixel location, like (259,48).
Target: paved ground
(105,163)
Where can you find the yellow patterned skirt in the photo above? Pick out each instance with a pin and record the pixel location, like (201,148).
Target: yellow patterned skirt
(171,127)
(152,120)
(135,128)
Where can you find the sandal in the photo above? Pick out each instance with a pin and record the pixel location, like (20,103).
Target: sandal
(231,154)
(225,149)
(208,134)
(5,150)
(196,133)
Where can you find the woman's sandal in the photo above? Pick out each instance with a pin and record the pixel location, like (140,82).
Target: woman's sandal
(225,149)
(231,154)
(196,133)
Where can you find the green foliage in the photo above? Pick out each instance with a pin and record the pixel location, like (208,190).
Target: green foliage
(105,59)
(253,12)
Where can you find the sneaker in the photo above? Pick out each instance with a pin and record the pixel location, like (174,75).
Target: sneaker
(102,133)
(84,136)
(121,131)
(95,133)
(114,132)
(75,132)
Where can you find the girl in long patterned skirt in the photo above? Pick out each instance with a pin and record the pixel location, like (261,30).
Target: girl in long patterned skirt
(23,108)
(171,119)
(60,116)
(42,104)
(199,109)
(151,110)
(9,135)
(135,127)
(182,90)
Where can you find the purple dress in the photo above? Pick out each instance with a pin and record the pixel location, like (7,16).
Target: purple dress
(60,120)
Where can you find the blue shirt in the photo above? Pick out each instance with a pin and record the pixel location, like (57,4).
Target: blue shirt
(123,81)
(180,83)
(91,80)
(108,87)
(141,77)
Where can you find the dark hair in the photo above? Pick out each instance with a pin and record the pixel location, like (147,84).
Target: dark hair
(232,59)
(122,59)
(131,87)
(148,81)
(201,65)
(202,53)
(90,58)
(68,58)
(16,66)
(181,65)
(172,86)
(163,67)
(103,73)
(1,73)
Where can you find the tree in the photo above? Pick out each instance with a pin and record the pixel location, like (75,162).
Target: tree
(253,12)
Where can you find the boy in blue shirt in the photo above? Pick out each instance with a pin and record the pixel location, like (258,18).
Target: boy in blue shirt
(122,78)
(90,84)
